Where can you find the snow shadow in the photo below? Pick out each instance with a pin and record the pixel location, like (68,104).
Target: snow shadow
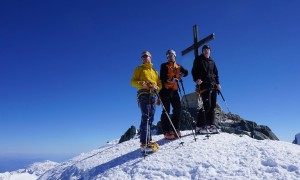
(120,160)
(114,163)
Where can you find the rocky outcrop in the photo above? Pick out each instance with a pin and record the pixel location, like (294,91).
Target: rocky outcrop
(227,122)
(297,139)
(129,134)
(132,132)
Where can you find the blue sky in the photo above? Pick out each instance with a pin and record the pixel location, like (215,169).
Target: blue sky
(65,66)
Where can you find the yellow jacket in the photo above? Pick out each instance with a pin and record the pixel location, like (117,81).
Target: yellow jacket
(145,72)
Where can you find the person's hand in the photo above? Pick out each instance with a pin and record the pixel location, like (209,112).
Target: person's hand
(153,87)
(172,80)
(182,75)
(158,101)
(144,84)
(218,86)
(199,81)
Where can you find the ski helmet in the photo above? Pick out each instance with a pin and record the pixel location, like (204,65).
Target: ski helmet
(171,52)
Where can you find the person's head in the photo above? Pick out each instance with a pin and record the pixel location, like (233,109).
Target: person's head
(146,57)
(171,55)
(206,51)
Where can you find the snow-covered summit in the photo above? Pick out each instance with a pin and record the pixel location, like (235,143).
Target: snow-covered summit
(222,156)
(40,168)
(32,172)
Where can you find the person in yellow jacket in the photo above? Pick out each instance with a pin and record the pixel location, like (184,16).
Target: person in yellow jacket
(147,81)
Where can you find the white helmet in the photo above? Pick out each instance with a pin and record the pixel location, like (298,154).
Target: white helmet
(171,52)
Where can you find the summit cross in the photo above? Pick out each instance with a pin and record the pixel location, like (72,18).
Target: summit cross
(197,43)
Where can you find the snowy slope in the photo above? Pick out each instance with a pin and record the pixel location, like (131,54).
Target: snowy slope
(222,156)
(31,173)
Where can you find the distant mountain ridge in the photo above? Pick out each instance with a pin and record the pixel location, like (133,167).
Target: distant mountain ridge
(31,172)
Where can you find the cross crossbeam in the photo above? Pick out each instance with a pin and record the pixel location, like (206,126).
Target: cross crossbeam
(197,43)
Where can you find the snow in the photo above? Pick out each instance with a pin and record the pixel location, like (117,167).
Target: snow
(222,156)
(23,176)
(31,173)
(41,168)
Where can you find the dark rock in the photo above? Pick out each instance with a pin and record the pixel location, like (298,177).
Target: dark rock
(228,122)
(297,139)
(266,131)
(260,136)
(129,134)
(187,121)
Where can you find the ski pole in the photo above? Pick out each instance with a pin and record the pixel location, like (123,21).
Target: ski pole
(162,104)
(148,133)
(189,120)
(184,93)
(219,92)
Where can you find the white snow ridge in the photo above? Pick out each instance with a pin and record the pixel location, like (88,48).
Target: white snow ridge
(222,156)
(30,173)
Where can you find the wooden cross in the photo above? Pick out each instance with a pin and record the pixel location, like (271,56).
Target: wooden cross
(197,43)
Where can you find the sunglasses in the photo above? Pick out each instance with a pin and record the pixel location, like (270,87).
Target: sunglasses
(145,56)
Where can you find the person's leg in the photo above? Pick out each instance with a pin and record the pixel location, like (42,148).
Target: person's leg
(152,109)
(211,111)
(201,118)
(146,117)
(176,104)
(165,100)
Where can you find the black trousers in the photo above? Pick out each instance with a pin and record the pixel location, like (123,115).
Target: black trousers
(206,115)
(170,97)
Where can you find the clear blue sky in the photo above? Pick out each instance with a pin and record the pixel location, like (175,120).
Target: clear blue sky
(65,66)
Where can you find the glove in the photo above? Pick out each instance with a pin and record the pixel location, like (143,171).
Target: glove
(199,81)
(173,80)
(158,101)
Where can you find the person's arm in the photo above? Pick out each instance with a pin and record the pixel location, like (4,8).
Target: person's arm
(163,73)
(158,82)
(216,73)
(218,86)
(183,71)
(135,80)
(196,70)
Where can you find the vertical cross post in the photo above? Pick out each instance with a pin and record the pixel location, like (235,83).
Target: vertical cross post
(197,43)
(195,32)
